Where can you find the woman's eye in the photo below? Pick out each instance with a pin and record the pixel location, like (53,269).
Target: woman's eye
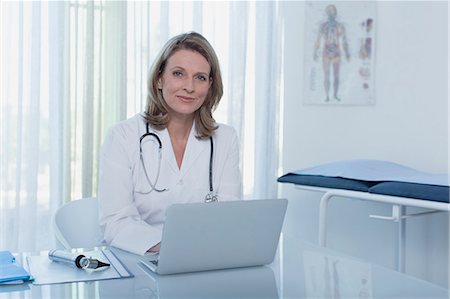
(201,77)
(177,73)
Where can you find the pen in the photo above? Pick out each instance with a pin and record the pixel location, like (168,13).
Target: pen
(75,259)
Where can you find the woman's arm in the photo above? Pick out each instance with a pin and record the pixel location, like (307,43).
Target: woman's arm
(230,180)
(119,217)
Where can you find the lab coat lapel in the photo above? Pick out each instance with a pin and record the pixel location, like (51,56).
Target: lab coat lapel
(194,149)
(167,151)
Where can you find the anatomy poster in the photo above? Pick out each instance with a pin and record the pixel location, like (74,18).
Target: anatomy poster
(340,52)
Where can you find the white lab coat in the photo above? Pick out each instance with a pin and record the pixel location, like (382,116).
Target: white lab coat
(133,221)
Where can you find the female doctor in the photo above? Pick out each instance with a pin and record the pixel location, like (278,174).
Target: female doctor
(174,152)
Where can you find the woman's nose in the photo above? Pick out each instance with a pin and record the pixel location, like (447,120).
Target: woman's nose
(189,85)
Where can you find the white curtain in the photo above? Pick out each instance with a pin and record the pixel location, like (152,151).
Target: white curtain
(71,69)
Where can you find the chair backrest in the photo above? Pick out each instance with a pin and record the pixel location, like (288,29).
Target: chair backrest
(76,224)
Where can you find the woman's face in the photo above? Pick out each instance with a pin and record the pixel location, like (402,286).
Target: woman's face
(185,82)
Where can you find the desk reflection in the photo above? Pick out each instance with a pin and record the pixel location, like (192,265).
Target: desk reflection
(300,270)
(254,282)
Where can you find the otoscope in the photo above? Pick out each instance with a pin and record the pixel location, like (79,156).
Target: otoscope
(75,259)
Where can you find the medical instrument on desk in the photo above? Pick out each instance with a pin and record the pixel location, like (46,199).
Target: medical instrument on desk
(75,259)
(210,197)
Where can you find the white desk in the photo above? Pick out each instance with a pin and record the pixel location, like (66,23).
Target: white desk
(300,270)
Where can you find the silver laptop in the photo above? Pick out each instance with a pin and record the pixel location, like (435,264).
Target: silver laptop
(220,235)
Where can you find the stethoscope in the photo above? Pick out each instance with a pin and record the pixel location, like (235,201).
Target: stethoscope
(210,197)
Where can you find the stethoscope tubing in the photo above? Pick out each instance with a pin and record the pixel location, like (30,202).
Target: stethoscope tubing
(152,185)
(210,197)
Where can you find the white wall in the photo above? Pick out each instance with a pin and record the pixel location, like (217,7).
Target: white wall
(407,125)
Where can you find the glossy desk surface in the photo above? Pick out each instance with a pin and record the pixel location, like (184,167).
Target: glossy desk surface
(300,270)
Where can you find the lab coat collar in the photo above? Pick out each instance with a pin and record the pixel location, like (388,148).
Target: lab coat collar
(194,149)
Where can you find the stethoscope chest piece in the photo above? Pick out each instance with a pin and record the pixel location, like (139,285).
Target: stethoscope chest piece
(210,197)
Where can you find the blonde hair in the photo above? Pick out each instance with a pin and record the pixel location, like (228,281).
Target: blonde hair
(156,110)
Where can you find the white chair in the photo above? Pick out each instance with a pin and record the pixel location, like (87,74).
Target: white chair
(76,224)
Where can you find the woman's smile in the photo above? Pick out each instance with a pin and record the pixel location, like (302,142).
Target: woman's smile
(186,99)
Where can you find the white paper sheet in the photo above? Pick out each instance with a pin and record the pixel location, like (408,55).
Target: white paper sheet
(46,271)
(376,171)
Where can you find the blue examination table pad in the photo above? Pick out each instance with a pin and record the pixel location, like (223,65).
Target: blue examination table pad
(374,176)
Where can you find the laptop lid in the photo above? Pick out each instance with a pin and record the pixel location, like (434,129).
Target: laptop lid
(221,235)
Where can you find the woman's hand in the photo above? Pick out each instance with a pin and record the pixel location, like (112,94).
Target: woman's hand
(155,248)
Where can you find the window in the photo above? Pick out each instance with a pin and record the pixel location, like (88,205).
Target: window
(69,70)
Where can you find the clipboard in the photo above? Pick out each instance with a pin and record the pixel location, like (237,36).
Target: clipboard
(45,271)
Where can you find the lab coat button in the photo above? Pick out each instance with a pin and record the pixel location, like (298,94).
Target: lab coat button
(180,182)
